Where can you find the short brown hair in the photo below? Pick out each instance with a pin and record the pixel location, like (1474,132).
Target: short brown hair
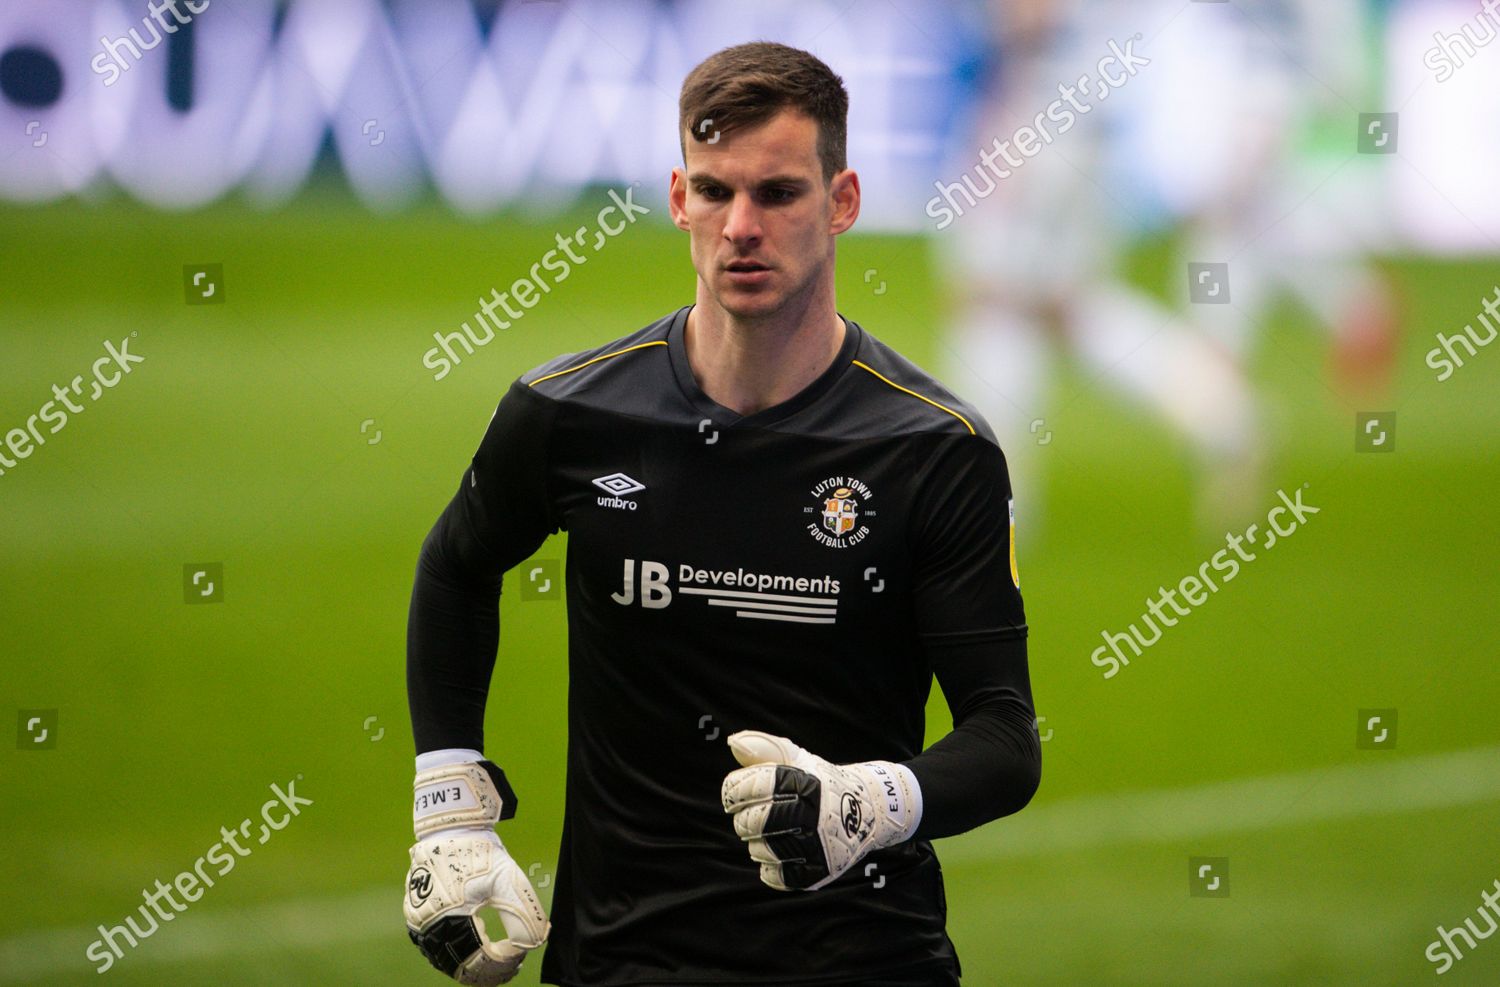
(748,84)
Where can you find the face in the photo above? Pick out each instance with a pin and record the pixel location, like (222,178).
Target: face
(760,215)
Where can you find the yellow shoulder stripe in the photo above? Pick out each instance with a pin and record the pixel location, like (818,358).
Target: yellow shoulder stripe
(919,397)
(606,356)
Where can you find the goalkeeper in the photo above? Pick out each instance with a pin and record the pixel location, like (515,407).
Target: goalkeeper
(779,531)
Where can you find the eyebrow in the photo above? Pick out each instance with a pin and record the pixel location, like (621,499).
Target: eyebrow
(702,177)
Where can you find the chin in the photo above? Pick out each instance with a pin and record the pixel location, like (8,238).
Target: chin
(748,304)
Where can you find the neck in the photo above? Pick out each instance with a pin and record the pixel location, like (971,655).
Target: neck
(748,365)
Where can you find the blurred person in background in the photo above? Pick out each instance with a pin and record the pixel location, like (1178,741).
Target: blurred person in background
(1101,118)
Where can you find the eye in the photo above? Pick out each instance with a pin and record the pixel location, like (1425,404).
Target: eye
(774,195)
(712,192)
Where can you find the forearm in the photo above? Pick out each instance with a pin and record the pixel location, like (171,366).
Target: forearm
(452,633)
(990,764)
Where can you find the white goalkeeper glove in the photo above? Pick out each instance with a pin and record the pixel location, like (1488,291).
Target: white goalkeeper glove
(806,821)
(459,865)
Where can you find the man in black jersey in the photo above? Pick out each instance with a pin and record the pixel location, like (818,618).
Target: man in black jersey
(775,521)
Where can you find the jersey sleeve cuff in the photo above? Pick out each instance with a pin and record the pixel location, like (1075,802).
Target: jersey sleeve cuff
(448,755)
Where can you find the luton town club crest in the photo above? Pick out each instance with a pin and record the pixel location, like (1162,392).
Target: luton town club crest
(843,509)
(840,511)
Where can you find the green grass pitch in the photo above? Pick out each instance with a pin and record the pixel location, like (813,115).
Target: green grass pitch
(239,441)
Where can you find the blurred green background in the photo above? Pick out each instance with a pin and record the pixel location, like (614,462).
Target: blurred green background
(239,441)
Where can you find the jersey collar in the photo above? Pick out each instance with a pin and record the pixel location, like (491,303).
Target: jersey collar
(720,415)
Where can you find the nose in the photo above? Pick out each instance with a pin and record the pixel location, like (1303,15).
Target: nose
(742,225)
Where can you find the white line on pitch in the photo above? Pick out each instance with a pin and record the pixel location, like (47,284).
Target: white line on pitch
(1384,784)
(47,954)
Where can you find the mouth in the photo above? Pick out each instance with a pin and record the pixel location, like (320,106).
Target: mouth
(749,275)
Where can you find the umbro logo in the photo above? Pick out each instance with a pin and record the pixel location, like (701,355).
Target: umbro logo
(618,484)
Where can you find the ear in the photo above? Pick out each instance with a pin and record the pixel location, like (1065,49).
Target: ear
(844,191)
(677,198)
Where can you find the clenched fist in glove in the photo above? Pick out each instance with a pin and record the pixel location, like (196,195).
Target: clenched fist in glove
(459,865)
(806,821)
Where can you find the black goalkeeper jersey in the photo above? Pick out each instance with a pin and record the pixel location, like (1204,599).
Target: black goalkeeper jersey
(803,570)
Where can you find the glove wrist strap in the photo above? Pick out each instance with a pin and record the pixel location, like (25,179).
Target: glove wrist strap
(897,795)
(471,794)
